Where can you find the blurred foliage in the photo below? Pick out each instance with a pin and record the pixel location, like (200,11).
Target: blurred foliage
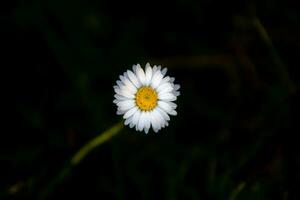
(235,133)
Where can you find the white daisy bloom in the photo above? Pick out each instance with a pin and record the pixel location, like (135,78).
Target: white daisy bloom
(145,97)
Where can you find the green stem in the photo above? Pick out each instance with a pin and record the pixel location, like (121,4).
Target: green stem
(105,136)
(66,171)
(279,64)
(237,190)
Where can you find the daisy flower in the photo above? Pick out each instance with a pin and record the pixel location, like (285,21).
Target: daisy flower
(145,97)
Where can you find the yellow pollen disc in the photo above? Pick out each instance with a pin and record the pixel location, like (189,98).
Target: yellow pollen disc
(146,98)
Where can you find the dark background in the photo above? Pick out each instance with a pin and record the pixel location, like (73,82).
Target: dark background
(235,136)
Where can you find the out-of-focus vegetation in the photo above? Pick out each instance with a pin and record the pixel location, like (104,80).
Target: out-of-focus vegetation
(237,124)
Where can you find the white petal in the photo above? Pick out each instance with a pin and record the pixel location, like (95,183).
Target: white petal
(154,69)
(116,101)
(128,120)
(136,117)
(131,125)
(176,87)
(176,93)
(141,74)
(126,105)
(132,77)
(163,86)
(157,77)
(172,79)
(116,87)
(164,71)
(166,90)
(173,105)
(148,74)
(134,68)
(128,89)
(167,97)
(154,122)
(121,78)
(165,106)
(147,122)
(167,123)
(126,82)
(120,112)
(120,97)
(119,83)
(141,121)
(163,113)
(124,78)
(159,118)
(130,112)
(174,112)
(125,93)
(165,80)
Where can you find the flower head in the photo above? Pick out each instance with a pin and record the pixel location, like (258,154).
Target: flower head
(145,97)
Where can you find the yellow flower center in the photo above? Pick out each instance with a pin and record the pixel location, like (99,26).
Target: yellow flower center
(146,98)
